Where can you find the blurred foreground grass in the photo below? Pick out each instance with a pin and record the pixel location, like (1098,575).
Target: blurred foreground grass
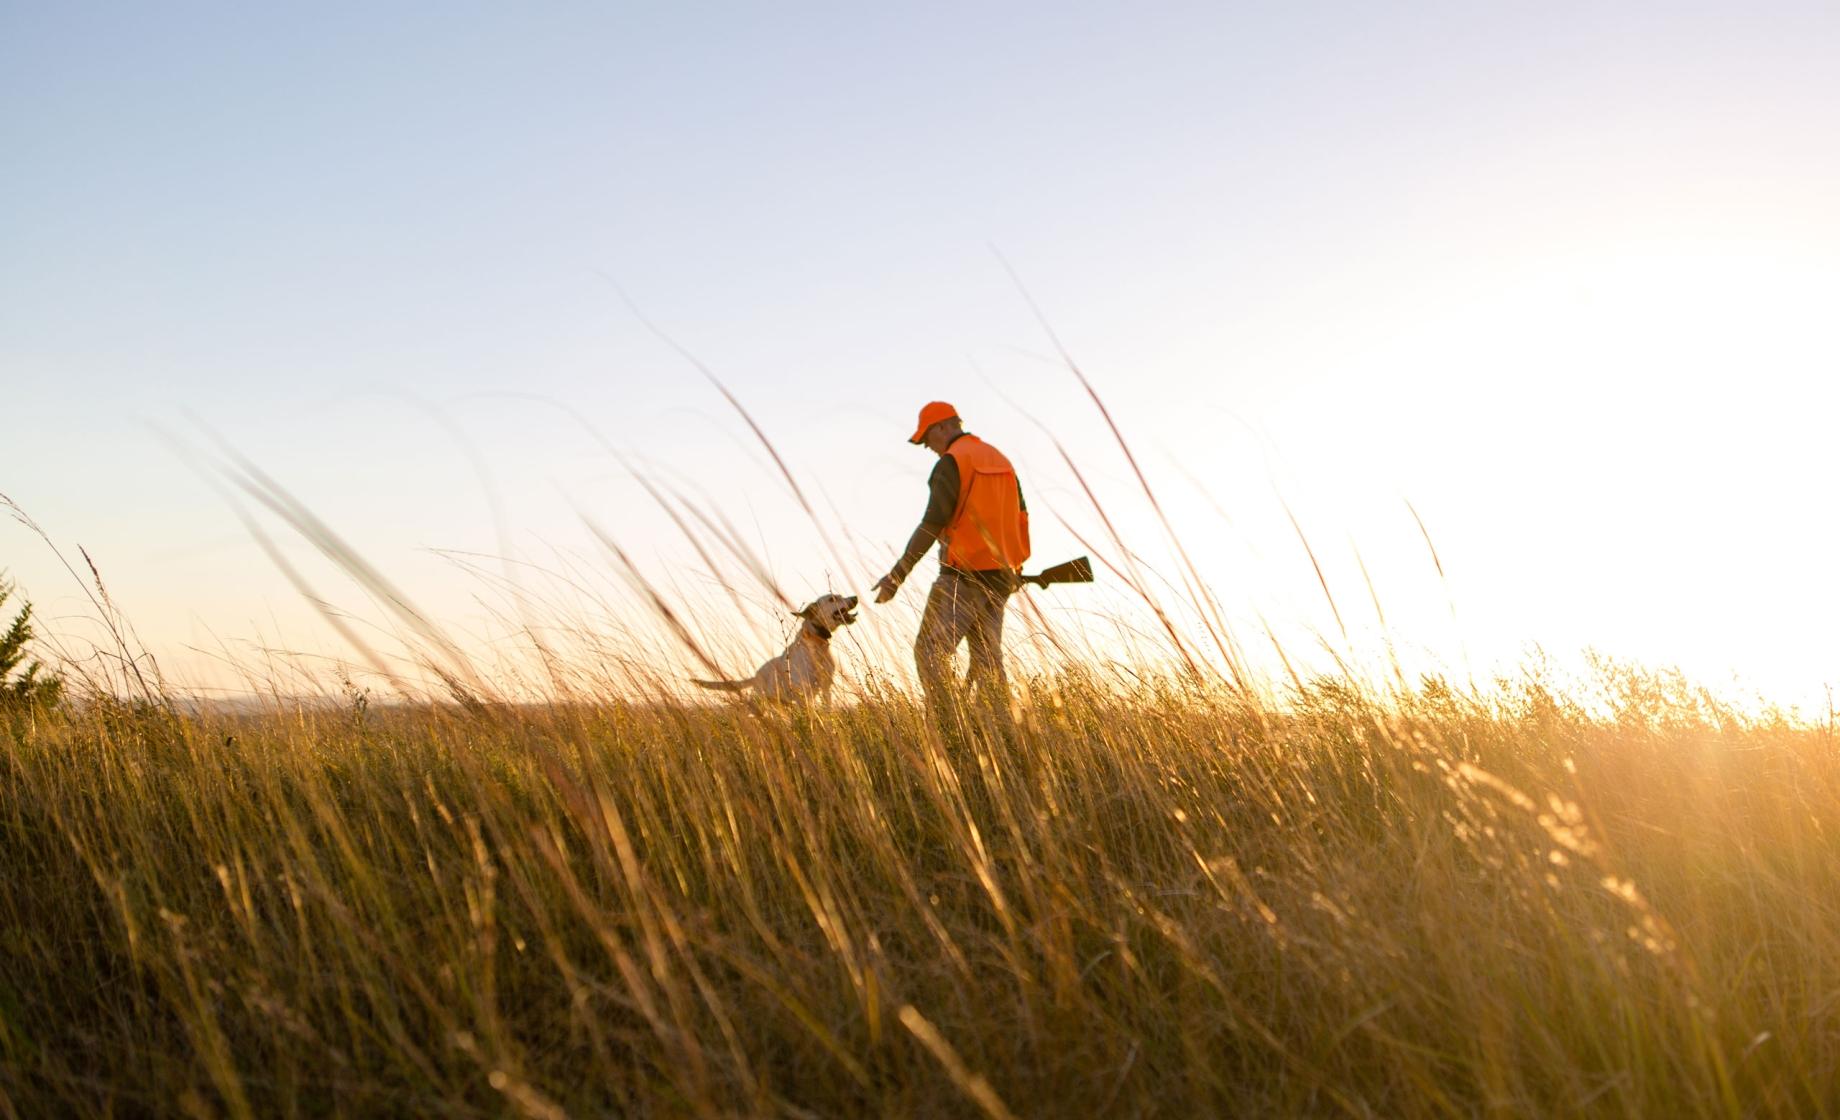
(1166,902)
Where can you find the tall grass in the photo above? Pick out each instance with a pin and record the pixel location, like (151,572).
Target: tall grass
(1146,895)
(1171,900)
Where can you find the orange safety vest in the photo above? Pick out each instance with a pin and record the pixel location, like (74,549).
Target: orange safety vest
(989,529)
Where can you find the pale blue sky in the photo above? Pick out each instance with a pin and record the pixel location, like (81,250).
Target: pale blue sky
(1481,256)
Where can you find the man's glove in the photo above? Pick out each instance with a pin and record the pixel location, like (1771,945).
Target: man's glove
(886,587)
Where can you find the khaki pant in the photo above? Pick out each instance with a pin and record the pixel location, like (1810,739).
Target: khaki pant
(964,607)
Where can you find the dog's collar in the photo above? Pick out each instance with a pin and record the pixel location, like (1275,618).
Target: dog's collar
(823,633)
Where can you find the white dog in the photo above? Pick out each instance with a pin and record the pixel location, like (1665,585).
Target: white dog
(806,668)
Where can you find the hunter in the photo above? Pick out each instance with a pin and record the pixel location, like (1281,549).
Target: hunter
(975,511)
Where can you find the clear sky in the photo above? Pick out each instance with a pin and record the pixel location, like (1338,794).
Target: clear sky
(1563,276)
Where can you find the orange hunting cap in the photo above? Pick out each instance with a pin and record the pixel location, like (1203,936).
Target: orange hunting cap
(933,413)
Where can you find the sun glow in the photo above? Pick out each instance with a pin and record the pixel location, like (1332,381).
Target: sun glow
(1620,444)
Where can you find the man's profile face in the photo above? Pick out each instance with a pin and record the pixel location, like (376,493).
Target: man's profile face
(940,435)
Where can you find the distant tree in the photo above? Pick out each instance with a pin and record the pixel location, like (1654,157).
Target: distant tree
(29,686)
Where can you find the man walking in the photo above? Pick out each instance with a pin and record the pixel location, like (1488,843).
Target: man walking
(975,511)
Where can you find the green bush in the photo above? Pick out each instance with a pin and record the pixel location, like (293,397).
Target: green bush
(23,683)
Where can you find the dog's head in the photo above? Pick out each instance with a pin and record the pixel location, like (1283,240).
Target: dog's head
(831,611)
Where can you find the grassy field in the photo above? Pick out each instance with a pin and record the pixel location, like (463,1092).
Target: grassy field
(1162,901)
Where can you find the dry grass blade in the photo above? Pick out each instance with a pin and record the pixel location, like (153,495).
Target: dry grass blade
(720,528)
(1225,640)
(657,601)
(798,492)
(1321,580)
(683,527)
(1135,579)
(971,1084)
(457,672)
(127,652)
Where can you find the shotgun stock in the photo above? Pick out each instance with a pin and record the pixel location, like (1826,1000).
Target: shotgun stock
(1073,571)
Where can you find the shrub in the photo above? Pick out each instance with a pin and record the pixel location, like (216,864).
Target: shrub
(23,683)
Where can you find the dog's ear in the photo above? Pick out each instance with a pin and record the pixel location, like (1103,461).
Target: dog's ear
(804,611)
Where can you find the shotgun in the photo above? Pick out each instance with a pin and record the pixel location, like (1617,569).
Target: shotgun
(1073,571)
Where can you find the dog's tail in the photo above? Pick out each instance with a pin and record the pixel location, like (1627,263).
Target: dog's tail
(724,686)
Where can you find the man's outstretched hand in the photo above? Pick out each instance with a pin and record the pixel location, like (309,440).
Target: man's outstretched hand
(886,587)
